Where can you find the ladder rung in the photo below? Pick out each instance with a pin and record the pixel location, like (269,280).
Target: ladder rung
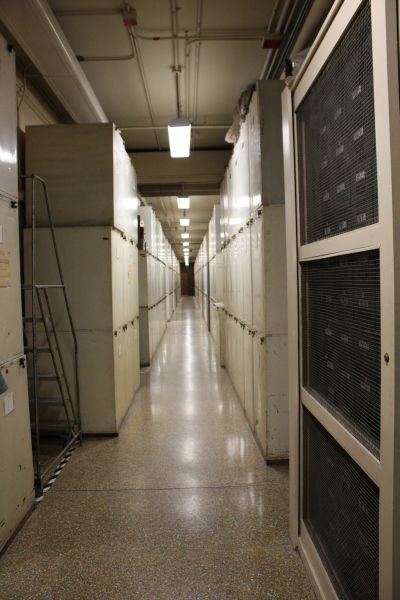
(30,319)
(45,377)
(39,349)
(52,426)
(42,286)
(49,401)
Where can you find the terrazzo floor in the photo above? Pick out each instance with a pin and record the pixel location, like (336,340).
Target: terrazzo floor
(179,506)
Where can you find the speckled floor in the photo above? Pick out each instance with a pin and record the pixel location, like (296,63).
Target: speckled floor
(180,506)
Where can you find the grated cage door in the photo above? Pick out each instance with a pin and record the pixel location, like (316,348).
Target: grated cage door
(341,512)
(341,340)
(336,140)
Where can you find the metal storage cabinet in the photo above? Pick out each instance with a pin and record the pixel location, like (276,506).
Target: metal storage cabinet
(100,272)
(16,466)
(90,178)
(156,303)
(8,123)
(268,266)
(255,271)
(342,180)
(216,283)
(11,343)
(263,123)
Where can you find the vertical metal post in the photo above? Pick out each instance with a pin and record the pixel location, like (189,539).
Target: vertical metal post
(73,332)
(38,482)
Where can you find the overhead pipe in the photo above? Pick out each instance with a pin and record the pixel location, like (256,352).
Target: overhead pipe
(145,85)
(283,13)
(34,28)
(289,39)
(176,69)
(135,52)
(199,19)
(164,127)
(128,26)
(225,36)
(109,58)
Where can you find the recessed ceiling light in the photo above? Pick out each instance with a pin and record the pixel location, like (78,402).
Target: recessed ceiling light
(184,222)
(183,202)
(179,138)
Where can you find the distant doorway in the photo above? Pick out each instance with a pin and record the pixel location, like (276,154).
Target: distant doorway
(187,280)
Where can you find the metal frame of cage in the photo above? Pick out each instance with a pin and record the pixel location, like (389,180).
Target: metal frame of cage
(381,235)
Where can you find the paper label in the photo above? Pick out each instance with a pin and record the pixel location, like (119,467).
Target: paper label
(8,403)
(5,269)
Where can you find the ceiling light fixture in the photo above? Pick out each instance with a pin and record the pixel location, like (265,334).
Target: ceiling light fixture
(185,235)
(183,202)
(179,138)
(185,243)
(184,222)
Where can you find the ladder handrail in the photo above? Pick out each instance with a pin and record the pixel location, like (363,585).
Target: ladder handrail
(74,431)
(36,178)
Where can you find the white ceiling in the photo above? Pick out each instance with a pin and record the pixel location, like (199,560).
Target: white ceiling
(211,80)
(218,74)
(200,213)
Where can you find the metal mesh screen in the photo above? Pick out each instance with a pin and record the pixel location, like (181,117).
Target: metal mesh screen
(341,512)
(341,340)
(336,140)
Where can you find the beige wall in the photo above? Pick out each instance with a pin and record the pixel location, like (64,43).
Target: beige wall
(33,108)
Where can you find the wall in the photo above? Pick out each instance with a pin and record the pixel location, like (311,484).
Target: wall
(32,108)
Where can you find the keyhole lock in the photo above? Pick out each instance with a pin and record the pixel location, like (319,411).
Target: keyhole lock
(386,357)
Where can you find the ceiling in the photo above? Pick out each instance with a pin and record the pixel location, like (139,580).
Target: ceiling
(211,79)
(143,92)
(200,212)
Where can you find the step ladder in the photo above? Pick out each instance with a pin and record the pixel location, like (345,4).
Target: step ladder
(53,397)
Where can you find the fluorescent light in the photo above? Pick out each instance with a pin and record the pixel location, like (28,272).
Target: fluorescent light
(185,243)
(186,263)
(179,138)
(185,235)
(183,202)
(184,222)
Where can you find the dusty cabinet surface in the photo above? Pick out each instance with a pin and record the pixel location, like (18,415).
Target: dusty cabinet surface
(11,342)
(16,466)
(90,178)
(8,121)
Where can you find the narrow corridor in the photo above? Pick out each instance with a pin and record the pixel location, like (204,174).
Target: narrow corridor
(179,506)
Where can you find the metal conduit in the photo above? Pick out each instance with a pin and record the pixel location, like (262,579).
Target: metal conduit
(289,38)
(163,127)
(145,85)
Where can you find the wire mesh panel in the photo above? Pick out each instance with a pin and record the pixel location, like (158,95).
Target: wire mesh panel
(341,512)
(341,340)
(336,140)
